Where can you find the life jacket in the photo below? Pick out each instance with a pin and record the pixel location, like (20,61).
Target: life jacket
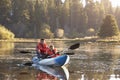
(42,47)
(52,53)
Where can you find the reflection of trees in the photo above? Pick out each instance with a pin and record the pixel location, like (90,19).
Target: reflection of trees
(6,48)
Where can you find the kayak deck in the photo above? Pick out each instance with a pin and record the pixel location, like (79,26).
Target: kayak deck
(56,61)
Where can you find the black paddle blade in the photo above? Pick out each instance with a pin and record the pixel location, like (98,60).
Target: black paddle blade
(28,64)
(70,53)
(75,46)
(25,51)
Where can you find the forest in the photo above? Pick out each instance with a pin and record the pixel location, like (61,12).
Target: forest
(55,18)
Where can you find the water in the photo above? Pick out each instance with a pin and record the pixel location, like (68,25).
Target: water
(91,61)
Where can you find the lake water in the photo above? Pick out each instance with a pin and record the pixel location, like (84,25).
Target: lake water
(91,61)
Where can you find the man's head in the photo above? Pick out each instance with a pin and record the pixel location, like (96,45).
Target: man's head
(42,40)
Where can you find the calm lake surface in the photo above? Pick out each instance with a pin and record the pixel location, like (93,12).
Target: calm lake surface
(91,61)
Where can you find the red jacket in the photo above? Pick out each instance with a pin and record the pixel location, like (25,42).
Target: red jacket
(42,47)
(45,76)
(52,53)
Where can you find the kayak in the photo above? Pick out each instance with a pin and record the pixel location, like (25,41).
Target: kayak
(59,72)
(56,61)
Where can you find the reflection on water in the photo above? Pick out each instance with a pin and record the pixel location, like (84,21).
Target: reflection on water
(96,62)
(92,61)
(6,48)
(52,73)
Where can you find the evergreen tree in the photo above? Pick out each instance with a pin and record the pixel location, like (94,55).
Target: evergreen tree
(20,11)
(5,10)
(117,13)
(93,13)
(66,16)
(78,18)
(107,6)
(109,27)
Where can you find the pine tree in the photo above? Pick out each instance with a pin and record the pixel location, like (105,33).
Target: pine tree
(5,7)
(109,27)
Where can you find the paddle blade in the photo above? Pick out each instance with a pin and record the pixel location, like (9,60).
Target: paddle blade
(70,53)
(75,46)
(28,64)
(25,51)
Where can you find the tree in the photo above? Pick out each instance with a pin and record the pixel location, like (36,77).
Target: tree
(5,6)
(117,13)
(20,11)
(77,18)
(45,31)
(52,14)
(93,13)
(107,6)
(109,27)
(20,17)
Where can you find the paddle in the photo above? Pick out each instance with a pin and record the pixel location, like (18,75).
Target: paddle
(23,51)
(72,47)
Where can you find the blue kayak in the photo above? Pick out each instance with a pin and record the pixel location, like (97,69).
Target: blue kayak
(56,61)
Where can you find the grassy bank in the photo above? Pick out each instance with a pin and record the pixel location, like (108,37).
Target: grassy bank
(85,39)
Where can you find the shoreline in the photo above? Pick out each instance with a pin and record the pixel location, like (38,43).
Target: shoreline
(87,39)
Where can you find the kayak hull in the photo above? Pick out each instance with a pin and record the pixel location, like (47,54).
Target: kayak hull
(56,61)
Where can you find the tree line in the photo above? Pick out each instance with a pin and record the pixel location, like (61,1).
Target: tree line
(51,18)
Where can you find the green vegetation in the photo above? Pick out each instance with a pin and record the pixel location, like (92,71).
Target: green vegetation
(5,33)
(45,31)
(59,33)
(25,18)
(109,27)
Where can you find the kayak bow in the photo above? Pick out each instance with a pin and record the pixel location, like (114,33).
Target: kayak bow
(56,61)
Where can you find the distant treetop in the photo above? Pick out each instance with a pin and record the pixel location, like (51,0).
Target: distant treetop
(109,27)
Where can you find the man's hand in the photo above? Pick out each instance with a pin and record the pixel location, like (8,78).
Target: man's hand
(58,53)
(38,51)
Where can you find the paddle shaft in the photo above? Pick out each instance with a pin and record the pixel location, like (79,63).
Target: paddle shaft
(72,47)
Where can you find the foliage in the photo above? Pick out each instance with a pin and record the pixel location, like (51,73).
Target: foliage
(117,13)
(4,11)
(59,33)
(5,33)
(109,27)
(71,14)
(91,32)
(94,14)
(75,34)
(45,32)
(20,11)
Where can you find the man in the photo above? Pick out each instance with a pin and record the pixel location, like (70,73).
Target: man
(41,49)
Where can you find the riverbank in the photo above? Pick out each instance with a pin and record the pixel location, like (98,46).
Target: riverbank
(85,39)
